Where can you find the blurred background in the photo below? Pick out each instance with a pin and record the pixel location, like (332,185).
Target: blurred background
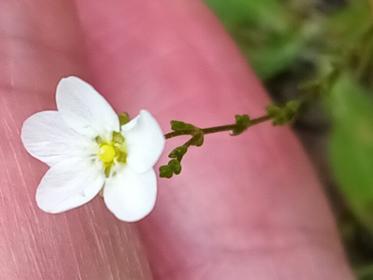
(321,51)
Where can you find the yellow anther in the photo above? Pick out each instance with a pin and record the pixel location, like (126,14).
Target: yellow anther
(107,153)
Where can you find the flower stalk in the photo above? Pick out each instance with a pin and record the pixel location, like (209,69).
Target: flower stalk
(216,129)
(279,115)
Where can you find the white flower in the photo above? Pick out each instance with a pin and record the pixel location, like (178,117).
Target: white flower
(87,150)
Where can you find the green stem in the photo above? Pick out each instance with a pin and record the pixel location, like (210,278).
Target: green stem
(216,129)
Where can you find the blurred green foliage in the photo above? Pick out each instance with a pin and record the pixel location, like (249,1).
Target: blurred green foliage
(351,146)
(330,43)
(268,33)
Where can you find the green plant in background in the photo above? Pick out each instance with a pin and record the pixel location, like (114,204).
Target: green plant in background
(351,146)
(270,34)
(336,43)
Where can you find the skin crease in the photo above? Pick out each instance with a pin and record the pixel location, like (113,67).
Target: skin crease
(248,207)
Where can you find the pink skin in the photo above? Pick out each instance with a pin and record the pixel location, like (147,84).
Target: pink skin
(248,207)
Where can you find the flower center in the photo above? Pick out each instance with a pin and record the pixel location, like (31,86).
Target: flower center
(106,153)
(112,151)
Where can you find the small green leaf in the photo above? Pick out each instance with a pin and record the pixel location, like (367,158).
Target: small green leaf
(273,110)
(175,165)
(292,106)
(165,171)
(123,118)
(197,139)
(283,114)
(242,123)
(182,126)
(178,152)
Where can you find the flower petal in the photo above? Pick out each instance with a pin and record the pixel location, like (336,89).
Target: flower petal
(47,138)
(145,141)
(69,184)
(84,109)
(130,196)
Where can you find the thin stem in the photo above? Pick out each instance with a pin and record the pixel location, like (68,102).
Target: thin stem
(216,129)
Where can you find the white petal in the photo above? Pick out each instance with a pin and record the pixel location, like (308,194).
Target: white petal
(47,138)
(67,185)
(145,141)
(84,109)
(130,196)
